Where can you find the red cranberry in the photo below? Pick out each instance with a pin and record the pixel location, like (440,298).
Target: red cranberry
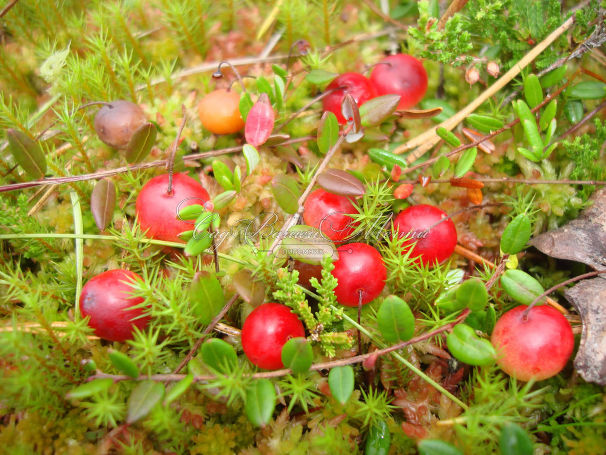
(328,212)
(402,75)
(106,298)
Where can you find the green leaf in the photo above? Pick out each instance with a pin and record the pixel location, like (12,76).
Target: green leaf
(328,132)
(396,321)
(532,135)
(466,346)
(103,203)
(307,244)
(447,301)
(553,77)
(191,212)
(279,71)
(320,77)
(178,389)
(588,90)
(246,104)
(514,440)
(279,92)
(123,363)
(472,294)
(465,162)
(263,86)
(516,235)
(297,355)
(237,180)
(223,175)
(27,153)
(90,388)
(378,441)
(484,123)
(141,143)
(260,402)
(548,114)
(341,383)
(251,155)
(219,355)
(448,136)
(521,287)
(523,111)
(142,400)
(573,109)
(533,92)
(437,447)
(376,110)
(528,154)
(206,296)
(440,167)
(387,159)
(286,191)
(224,199)
(199,242)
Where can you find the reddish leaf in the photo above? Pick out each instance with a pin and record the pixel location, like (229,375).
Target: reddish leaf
(420,113)
(474,195)
(260,122)
(351,113)
(403,191)
(424,180)
(340,182)
(486,146)
(396,173)
(465,182)
(103,202)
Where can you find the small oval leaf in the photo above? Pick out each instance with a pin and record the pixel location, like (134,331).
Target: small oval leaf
(448,136)
(252,158)
(199,243)
(514,440)
(437,447)
(142,400)
(548,114)
(141,143)
(516,235)
(223,174)
(103,202)
(484,123)
(376,110)
(533,92)
(573,109)
(447,109)
(123,363)
(328,132)
(351,114)
(260,402)
(260,122)
(420,113)
(219,355)
(206,297)
(27,153)
(521,287)
(440,167)
(465,162)
(287,192)
(251,290)
(297,355)
(341,383)
(340,182)
(466,346)
(320,77)
(472,294)
(307,244)
(224,199)
(246,104)
(588,90)
(178,389)
(395,319)
(378,441)
(387,159)
(553,77)
(90,388)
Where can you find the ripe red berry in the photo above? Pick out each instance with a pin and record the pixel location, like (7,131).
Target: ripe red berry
(403,75)
(359,269)
(434,233)
(106,298)
(265,331)
(116,122)
(355,84)
(537,347)
(328,212)
(219,112)
(157,210)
